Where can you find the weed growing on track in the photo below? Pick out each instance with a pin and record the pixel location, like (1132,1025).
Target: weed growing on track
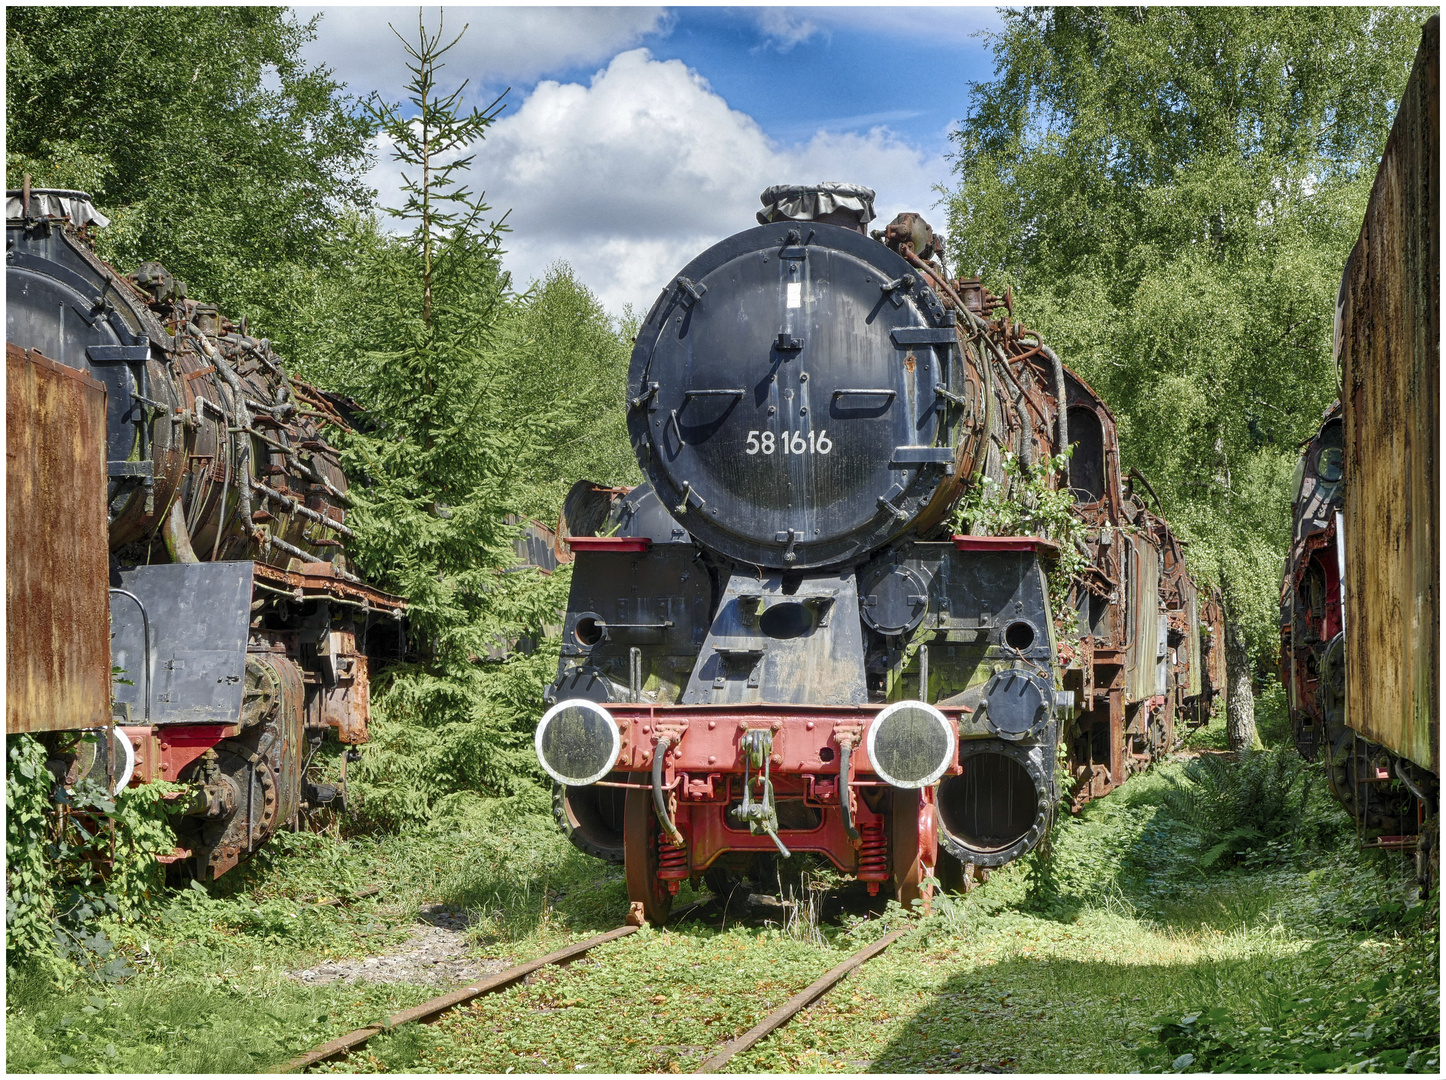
(211,993)
(1119,952)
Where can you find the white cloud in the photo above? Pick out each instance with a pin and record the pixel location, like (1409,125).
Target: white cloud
(502,44)
(629,177)
(783,29)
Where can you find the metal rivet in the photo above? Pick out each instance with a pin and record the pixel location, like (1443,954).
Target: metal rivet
(712,760)
(809,725)
(712,724)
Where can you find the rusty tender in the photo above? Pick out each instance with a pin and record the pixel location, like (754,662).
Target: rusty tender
(1360,599)
(778,645)
(149,431)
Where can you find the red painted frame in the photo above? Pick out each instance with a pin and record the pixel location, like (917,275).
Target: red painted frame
(705,765)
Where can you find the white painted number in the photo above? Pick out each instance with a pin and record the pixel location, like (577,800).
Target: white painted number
(764,442)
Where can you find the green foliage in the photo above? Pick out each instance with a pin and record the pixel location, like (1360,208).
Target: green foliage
(1172,193)
(1389,1023)
(423,341)
(1232,807)
(200,132)
(74,860)
(569,367)
(1031,502)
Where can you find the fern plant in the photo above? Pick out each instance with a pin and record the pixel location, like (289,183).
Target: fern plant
(1233,807)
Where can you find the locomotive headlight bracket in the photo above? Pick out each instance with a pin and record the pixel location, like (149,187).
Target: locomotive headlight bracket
(577,742)
(910,744)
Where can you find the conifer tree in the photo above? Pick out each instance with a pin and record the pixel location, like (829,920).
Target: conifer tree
(439,476)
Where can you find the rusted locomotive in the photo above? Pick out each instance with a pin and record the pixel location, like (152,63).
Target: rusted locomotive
(167,480)
(1360,624)
(780,644)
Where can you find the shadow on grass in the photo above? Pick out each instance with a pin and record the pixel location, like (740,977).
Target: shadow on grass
(1064,1015)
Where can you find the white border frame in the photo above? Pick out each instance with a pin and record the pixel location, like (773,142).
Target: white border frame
(943,722)
(588,706)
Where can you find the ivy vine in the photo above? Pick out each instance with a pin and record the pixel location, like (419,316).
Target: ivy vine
(75,860)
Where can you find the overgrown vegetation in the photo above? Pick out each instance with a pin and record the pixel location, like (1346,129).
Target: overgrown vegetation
(465,386)
(1172,192)
(1294,951)
(204,137)
(58,900)
(1026,504)
(1213,915)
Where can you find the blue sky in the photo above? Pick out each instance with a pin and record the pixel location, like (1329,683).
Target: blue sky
(634,137)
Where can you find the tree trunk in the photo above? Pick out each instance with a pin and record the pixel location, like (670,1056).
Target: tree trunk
(1239,697)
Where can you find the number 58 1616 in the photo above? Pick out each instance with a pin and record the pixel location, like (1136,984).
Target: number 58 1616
(765,442)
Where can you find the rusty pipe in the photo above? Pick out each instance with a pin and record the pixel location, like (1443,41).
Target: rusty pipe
(213,354)
(980,331)
(1061,401)
(176,536)
(295,506)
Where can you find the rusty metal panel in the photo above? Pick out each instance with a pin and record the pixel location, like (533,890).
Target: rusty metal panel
(1195,684)
(1144,618)
(57,652)
(1389,348)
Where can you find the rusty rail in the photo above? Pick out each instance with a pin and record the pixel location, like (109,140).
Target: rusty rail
(437,1005)
(800,1001)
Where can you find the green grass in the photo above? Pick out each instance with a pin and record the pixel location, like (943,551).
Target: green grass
(1115,953)
(211,993)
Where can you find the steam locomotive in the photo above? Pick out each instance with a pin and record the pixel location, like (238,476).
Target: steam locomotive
(1360,623)
(779,643)
(176,518)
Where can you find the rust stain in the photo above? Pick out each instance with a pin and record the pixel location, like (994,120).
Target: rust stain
(1389,353)
(57,653)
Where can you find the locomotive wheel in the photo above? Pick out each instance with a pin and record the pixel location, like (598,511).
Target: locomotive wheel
(907,849)
(640,854)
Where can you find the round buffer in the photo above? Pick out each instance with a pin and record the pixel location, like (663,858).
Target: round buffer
(577,742)
(910,744)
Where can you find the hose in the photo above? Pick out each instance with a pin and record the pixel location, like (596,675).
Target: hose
(660,804)
(178,540)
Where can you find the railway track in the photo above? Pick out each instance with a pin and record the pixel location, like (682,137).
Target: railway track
(438,1006)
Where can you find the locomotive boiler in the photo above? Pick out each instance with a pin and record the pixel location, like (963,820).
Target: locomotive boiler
(176,486)
(781,643)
